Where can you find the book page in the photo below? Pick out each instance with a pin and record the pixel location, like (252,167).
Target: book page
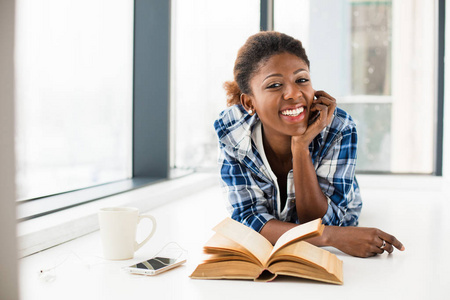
(305,253)
(246,237)
(219,244)
(303,231)
(226,270)
(290,268)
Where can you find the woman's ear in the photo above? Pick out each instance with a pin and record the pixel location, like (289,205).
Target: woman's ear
(247,103)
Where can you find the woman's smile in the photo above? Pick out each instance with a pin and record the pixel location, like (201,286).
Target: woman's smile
(295,114)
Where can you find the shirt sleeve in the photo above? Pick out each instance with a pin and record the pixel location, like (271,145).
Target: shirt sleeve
(246,200)
(336,176)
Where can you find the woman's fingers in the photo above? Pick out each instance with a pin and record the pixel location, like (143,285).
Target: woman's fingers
(326,112)
(385,246)
(320,94)
(387,242)
(391,240)
(377,250)
(325,102)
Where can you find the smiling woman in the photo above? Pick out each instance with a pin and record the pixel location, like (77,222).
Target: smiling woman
(288,155)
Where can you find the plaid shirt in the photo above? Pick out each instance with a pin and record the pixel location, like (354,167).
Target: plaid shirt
(252,192)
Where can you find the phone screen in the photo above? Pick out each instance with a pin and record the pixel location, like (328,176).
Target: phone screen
(155,263)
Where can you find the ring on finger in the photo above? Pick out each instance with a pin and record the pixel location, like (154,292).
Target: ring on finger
(383,245)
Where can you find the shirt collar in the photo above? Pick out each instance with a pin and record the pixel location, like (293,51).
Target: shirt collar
(237,126)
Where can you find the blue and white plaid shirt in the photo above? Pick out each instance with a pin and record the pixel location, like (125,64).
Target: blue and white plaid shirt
(251,187)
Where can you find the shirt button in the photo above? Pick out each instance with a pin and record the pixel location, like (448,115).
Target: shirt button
(292,201)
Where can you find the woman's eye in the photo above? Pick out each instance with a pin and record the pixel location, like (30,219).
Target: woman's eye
(274,85)
(302,80)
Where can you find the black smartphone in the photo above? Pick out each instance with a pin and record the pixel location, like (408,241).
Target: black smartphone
(313,116)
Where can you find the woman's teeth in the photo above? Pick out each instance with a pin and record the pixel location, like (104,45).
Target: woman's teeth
(292,112)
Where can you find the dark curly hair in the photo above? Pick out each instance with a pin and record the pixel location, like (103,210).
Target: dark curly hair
(253,54)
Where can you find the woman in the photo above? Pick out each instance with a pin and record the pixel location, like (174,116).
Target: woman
(288,153)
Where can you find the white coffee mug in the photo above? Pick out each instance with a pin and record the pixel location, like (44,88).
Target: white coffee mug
(118,227)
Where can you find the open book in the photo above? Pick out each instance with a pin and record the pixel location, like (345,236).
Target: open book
(236,251)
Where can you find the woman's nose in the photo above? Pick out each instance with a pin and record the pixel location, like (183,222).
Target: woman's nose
(291,91)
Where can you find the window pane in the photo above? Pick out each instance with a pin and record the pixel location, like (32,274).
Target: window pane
(74,94)
(371,30)
(377,58)
(206,36)
(376,127)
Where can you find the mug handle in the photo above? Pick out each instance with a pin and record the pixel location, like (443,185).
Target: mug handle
(151,218)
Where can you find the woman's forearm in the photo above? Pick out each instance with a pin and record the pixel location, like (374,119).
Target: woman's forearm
(311,203)
(326,239)
(273,229)
(355,241)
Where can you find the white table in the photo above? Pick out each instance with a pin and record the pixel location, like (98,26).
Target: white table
(418,214)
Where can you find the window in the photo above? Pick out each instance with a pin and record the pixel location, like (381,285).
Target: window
(93,84)
(377,58)
(74,66)
(97,80)
(206,36)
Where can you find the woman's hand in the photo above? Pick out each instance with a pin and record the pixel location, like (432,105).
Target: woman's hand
(326,105)
(361,241)
(320,116)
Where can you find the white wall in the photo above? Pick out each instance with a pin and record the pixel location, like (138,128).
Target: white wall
(8,254)
(413,85)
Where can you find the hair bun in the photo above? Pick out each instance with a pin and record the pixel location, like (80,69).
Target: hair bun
(233,93)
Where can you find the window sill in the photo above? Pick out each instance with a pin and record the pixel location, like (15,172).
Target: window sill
(41,233)
(401,181)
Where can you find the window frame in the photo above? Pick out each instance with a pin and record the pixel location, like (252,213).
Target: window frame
(439,125)
(266,15)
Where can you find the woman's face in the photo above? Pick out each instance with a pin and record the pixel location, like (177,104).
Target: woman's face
(282,95)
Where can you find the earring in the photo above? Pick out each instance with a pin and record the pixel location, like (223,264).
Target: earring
(250,112)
